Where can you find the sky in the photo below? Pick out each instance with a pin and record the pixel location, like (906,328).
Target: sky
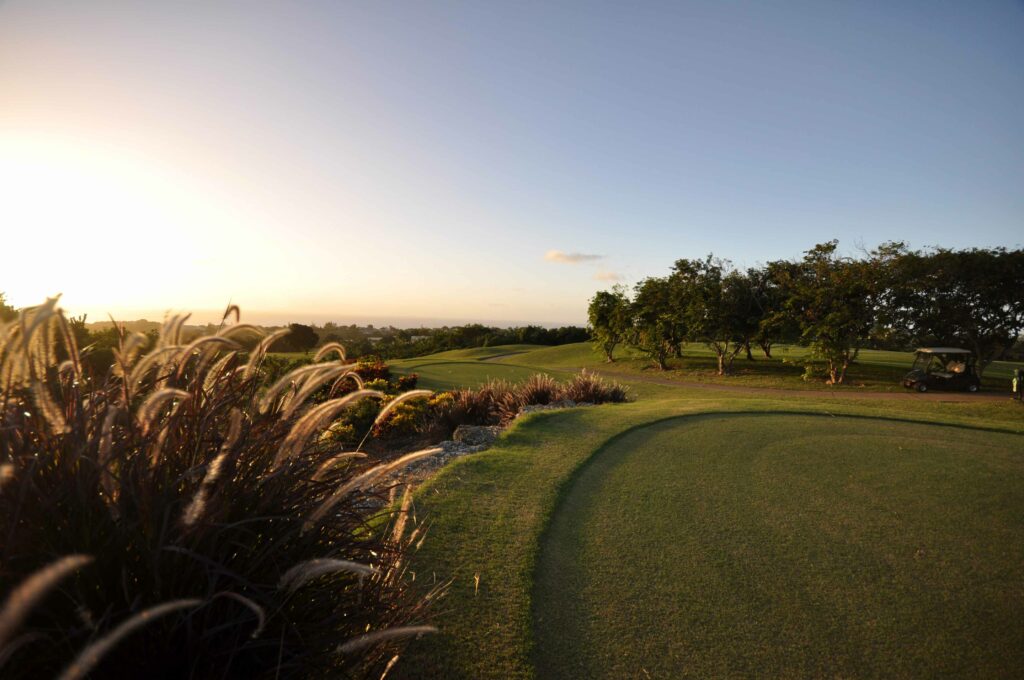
(416,162)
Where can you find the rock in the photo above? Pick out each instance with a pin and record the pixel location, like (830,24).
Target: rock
(476,435)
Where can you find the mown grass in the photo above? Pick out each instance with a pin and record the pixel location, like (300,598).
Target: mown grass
(486,352)
(448,375)
(488,513)
(780,545)
(875,370)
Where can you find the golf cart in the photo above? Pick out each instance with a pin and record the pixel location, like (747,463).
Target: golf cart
(942,368)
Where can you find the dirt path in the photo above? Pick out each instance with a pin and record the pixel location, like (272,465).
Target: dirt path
(845,393)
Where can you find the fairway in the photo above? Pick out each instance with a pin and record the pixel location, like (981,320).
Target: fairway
(451,375)
(742,545)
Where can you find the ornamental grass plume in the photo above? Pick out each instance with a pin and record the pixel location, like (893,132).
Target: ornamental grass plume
(159,521)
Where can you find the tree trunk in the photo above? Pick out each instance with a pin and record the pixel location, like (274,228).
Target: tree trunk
(980,362)
(721,363)
(608,353)
(766,347)
(746,347)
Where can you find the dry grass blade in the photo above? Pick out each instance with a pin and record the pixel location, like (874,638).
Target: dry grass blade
(48,407)
(261,350)
(311,385)
(241,329)
(6,474)
(92,654)
(198,504)
(304,572)
(387,669)
(24,597)
(152,358)
(290,379)
(356,378)
(403,515)
(328,348)
(261,615)
(150,408)
(317,418)
(128,352)
(403,397)
(217,370)
(365,478)
(232,309)
(319,474)
(367,639)
(170,332)
(16,644)
(70,344)
(105,446)
(194,347)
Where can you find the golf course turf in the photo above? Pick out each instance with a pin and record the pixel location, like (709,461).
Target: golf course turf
(905,513)
(737,545)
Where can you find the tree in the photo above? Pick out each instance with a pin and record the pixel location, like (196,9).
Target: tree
(831,299)
(301,338)
(716,307)
(7,312)
(608,315)
(970,297)
(656,327)
(767,301)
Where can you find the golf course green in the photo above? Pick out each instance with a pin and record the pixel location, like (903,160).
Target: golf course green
(700,532)
(738,545)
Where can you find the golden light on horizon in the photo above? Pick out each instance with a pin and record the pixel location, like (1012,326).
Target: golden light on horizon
(103,225)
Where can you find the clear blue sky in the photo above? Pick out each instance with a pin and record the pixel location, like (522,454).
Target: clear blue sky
(420,159)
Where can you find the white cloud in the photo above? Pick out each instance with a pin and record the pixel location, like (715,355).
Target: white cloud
(570,258)
(607,276)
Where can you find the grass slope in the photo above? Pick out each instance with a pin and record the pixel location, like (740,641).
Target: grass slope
(488,513)
(448,375)
(821,546)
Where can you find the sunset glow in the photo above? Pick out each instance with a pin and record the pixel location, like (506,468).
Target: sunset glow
(356,161)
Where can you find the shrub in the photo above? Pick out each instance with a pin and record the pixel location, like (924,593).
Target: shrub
(408,418)
(500,401)
(354,424)
(373,370)
(588,387)
(177,502)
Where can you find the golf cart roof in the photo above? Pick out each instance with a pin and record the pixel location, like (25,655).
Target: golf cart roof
(943,350)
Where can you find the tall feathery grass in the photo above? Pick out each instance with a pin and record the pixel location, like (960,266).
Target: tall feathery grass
(177,518)
(500,401)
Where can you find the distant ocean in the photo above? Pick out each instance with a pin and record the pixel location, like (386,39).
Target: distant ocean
(201,317)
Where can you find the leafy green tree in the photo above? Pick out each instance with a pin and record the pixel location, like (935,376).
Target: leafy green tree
(767,301)
(608,315)
(716,307)
(301,338)
(832,301)
(656,327)
(973,298)
(7,312)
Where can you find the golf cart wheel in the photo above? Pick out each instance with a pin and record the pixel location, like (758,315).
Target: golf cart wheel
(921,387)
(972,388)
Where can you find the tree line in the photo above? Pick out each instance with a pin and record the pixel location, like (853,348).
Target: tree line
(416,342)
(892,297)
